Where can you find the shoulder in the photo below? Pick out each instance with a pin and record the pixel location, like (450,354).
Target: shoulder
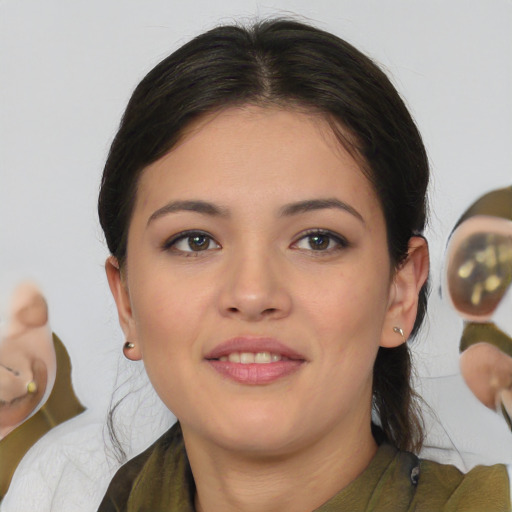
(160,470)
(444,487)
(400,481)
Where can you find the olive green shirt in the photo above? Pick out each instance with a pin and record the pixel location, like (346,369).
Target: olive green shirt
(160,479)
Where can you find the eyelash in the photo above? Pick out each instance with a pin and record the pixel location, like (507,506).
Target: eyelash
(171,243)
(339,242)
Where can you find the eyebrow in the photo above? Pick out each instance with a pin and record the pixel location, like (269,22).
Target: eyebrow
(206,208)
(319,204)
(197,206)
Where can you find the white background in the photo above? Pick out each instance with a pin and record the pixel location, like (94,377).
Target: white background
(67,69)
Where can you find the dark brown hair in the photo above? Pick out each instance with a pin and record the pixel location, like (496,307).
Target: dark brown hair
(291,65)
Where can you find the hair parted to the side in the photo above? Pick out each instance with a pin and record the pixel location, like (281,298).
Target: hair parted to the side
(286,64)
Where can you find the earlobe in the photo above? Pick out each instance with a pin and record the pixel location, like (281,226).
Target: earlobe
(121,296)
(404,295)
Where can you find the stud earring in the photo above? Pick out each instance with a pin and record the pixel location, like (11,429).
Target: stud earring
(31,387)
(399,330)
(128,345)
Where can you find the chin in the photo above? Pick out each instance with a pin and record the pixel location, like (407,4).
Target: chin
(276,441)
(256,433)
(260,444)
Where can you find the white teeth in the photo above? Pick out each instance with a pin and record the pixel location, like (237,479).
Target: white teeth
(262,357)
(246,357)
(250,357)
(234,357)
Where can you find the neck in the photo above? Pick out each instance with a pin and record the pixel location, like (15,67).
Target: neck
(300,481)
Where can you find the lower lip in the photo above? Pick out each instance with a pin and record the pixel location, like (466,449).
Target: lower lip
(256,373)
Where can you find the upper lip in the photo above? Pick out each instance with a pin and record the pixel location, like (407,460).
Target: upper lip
(254,345)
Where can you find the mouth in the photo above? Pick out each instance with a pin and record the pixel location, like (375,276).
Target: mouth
(254,361)
(253,358)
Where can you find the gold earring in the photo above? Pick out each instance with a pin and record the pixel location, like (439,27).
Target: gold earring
(129,346)
(31,387)
(399,330)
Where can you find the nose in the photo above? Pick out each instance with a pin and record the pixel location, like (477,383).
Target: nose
(254,288)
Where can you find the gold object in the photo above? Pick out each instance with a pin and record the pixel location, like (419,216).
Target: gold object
(399,330)
(31,387)
(480,272)
(62,404)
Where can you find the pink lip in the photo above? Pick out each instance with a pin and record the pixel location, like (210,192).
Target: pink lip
(252,344)
(254,373)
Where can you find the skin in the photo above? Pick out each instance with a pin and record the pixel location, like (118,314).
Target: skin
(20,403)
(293,443)
(26,355)
(488,373)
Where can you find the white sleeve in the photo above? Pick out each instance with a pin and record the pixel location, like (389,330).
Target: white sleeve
(66,470)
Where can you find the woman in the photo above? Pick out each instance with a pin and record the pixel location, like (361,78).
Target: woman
(263,202)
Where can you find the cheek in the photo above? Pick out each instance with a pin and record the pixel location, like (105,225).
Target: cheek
(168,310)
(349,316)
(351,305)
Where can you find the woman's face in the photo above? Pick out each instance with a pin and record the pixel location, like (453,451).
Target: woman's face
(258,283)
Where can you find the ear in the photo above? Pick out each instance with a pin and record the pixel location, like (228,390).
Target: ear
(404,293)
(28,309)
(119,289)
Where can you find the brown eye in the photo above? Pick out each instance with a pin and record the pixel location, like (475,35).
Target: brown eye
(191,242)
(198,242)
(319,242)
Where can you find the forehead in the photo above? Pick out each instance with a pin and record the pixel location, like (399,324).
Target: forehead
(256,153)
